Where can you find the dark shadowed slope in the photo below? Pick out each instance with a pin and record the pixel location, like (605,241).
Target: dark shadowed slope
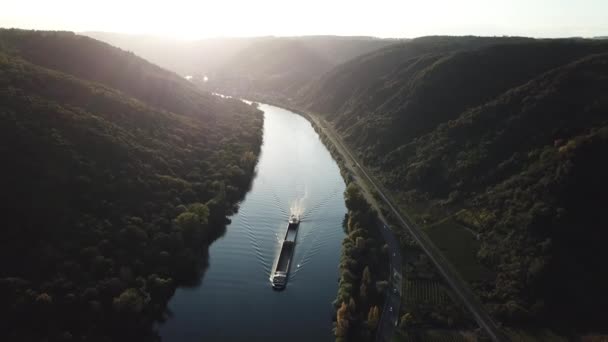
(86,58)
(352,78)
(529,170)
(430,88)
(109,201)
(508,136)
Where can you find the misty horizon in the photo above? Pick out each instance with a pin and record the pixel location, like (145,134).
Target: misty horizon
(187,20)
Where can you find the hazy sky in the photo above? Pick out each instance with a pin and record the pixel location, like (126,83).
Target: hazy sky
(383,18)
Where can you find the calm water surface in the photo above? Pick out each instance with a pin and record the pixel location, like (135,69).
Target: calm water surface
(235,301)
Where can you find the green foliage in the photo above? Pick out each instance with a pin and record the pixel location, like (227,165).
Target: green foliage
(361,265)
(348,81)
(460,246)
(118,176)
(508,133)
(130,301)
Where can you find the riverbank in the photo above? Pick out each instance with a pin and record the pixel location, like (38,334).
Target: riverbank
(363,284)
(418,265)
(295,171)
(375,316)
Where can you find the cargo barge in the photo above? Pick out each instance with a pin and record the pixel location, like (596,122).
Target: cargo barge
(281,272)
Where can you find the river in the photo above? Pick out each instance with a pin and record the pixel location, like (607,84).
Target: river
(235,302)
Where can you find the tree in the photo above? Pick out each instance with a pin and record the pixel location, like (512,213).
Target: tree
(406,320)
(248,160)
(360,243)
(367,276)
(373,316)
(354,199)
(190,226)
(352,307)
(201,210)
(342,319)
(129,301)
(363,294)
(193,222)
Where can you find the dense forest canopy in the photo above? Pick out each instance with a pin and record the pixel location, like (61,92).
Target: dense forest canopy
(117,176)
(92,60)
(508,135)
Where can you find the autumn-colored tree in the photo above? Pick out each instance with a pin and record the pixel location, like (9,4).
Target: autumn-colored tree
(352,306)
(373,317)
(342,321)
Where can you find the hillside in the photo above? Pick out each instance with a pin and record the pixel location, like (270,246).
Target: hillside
(282,66)
(92,60)
(197,57)
(277,65)
(351,79)
(504,137)
(432,88)
(527,168)
(113,186)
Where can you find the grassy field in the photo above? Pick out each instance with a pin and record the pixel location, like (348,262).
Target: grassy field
(460,247)
(424,292)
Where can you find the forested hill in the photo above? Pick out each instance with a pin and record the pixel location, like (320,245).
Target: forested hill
(184,57)
(89,59)
(117,175)
(508,139)
(434,86)
(351,79)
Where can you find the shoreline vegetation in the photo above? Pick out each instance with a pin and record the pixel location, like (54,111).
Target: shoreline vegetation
(119,175)
(505,178)
(364,269)
(429,309)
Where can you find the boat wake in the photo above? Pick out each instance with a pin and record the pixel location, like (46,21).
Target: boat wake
(297,205)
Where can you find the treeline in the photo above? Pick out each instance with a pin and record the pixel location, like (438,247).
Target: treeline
(510,134)
(111,191)
(364,268)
